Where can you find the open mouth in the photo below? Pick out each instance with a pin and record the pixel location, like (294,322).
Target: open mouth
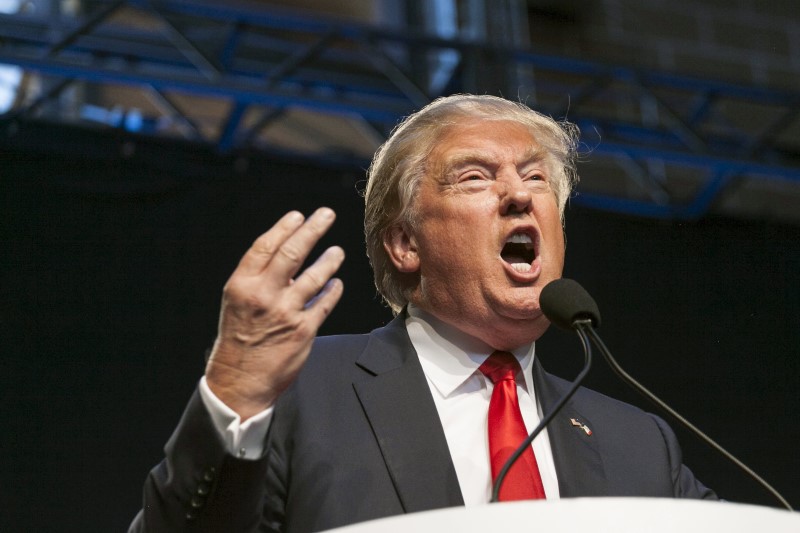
(519,252)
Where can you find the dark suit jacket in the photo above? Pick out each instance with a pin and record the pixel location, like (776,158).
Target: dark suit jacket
(358,437)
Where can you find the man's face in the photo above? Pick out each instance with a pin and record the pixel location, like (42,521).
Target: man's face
(488,235)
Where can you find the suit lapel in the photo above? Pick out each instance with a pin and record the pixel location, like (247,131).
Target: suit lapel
(397,401)
(577,457)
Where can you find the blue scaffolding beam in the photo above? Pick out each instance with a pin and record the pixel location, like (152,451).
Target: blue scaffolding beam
(705,137)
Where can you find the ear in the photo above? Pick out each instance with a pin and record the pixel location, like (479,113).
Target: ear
(401,246)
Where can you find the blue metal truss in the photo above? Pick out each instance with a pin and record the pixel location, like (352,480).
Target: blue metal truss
(705,136)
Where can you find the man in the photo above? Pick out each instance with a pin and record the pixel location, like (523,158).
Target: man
(463,223)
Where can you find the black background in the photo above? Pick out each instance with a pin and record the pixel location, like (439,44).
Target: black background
(111,284)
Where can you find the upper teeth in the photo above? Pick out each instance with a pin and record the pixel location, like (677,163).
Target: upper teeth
(520,238)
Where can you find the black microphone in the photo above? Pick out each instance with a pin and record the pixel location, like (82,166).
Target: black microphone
(564,301)
(566,304)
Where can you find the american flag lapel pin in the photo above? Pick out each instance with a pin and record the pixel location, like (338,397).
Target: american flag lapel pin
(584,427)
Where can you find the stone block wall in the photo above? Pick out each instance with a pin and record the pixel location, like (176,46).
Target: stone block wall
(754,42)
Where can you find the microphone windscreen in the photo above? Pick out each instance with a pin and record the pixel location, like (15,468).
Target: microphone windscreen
(564,301)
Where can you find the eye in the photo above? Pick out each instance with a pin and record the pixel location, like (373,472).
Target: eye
(537,182)
(474,176)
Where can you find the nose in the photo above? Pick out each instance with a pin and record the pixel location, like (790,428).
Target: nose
(515,197)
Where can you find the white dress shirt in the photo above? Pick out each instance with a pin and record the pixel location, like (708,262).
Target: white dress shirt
(450,361)
(242,439)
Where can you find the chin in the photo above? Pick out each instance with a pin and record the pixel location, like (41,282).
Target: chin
(527,309)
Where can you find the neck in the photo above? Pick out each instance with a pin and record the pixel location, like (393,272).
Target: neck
(480,339)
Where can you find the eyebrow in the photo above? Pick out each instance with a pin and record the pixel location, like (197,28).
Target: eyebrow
(472,157)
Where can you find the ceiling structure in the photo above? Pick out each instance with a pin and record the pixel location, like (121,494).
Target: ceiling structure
(248,76)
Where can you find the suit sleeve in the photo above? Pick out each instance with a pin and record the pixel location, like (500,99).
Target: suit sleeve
(684,483)
(199,487)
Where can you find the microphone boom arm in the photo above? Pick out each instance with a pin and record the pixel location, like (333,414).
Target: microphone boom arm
(588,330)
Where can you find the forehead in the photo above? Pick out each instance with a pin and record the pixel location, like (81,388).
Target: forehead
(476,140)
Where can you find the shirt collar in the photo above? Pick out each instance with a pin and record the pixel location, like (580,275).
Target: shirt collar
(449,357)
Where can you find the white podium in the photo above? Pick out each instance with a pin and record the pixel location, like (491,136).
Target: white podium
(591,515)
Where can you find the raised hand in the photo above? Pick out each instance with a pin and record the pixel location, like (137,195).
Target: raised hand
(269,318)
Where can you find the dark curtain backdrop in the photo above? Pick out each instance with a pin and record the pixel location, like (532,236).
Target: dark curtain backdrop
(114,259)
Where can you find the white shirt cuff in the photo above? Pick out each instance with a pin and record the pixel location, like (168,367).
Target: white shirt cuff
(244,440)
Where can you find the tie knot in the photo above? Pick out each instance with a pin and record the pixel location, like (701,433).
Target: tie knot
(500,366)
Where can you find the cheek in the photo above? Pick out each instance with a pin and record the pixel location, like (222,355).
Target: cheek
(558,250)
(554,234)
(560,256)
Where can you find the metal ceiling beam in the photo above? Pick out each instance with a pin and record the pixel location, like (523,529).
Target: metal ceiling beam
(270,60)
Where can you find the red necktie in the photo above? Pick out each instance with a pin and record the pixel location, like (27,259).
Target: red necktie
(507,431)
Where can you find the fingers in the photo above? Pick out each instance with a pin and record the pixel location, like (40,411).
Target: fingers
(315,277)
(278,254)
(284,248)
(266,246)
(293,252)
(321,306)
